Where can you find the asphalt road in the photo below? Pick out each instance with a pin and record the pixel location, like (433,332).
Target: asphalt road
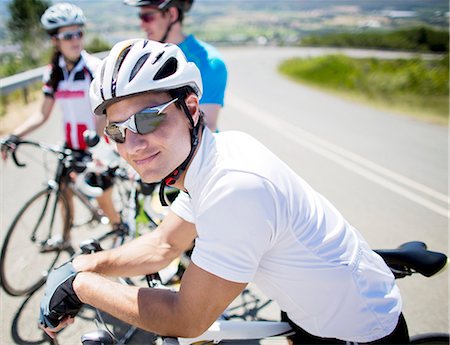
(388,174)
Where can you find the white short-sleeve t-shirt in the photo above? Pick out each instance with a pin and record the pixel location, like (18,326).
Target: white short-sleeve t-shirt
(258,221)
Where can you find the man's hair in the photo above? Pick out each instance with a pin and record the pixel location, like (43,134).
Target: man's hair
(180,14)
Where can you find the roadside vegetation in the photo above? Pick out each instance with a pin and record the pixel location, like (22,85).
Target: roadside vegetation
(24,28)
(415,85)
(420,39)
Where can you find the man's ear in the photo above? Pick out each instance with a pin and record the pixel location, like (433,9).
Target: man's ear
(174,14)
(193,106)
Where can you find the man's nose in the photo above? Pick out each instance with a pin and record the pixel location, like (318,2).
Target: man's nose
(134,141)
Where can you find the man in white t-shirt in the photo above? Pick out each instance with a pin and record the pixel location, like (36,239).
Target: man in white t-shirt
(253,219)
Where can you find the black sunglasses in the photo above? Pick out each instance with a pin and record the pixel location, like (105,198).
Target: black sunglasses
(142,122)
(69,35)
(148,17)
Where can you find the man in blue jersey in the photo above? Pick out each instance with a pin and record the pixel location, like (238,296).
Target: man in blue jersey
(162,20)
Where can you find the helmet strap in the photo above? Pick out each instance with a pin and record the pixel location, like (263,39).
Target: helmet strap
(164,38)
(174,175)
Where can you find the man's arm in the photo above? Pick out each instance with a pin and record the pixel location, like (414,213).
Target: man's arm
(187,313)
(146,254)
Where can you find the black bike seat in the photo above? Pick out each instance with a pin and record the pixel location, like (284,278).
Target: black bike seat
(415,256)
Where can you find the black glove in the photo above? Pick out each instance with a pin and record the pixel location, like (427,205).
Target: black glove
(59,299)
(10,143)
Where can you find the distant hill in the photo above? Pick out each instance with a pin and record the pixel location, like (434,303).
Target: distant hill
(282,22)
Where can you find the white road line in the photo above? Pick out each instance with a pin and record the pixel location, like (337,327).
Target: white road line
(360,165)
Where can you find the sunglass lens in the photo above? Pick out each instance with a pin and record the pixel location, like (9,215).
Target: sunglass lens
(147,17)
(114,132)
(67,36)
(148,121)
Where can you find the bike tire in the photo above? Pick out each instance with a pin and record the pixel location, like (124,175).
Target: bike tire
(23,268)
(431,339)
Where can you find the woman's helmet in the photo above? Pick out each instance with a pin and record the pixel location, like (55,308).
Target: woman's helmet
(138,66)
(183,5)
(61,15)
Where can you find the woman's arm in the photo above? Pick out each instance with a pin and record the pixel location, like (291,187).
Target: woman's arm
(37,119)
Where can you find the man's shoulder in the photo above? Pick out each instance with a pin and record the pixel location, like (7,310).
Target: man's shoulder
(197,49)
(242,158)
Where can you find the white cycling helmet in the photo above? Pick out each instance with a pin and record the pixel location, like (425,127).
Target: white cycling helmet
(61,15)
(138,66)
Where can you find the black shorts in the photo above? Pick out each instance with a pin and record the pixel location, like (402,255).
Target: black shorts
(398,336)
(102,180)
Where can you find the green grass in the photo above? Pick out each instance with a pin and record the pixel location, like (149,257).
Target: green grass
(419,87)
(414,39)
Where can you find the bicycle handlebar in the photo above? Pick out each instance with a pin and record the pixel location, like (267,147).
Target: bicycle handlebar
(49,148)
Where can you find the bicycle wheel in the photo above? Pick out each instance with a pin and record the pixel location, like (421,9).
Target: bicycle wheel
(23,267)
(431,338)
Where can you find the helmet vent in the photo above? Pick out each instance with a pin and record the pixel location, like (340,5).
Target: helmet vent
(102,74)
(138,65)
(145,43)
(119,63)
(157,57)
(169,68)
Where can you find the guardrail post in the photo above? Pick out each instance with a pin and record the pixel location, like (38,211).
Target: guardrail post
(25,94)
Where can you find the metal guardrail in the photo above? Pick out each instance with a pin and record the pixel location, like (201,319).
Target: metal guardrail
(20,80)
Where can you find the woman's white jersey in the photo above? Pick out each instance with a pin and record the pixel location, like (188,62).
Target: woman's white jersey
(258,221)
(72,95)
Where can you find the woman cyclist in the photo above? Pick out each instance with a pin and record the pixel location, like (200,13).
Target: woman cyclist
(66,82)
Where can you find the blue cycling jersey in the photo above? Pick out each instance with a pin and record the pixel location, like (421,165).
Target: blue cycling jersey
(212,68)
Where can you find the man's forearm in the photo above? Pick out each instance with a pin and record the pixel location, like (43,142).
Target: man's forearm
(144,255)
(155,310)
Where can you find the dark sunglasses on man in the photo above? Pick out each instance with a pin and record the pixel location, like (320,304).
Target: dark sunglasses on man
(148,17)
(143,122)
(69,35)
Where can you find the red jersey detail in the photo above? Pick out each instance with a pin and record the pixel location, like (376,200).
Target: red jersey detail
(68,138)
(69,94)
(80,130)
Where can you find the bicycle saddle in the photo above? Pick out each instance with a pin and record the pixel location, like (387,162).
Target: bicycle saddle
(414,256)
(97,337)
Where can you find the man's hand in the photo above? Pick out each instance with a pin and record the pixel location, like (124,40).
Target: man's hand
(59,301)
(10,144)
